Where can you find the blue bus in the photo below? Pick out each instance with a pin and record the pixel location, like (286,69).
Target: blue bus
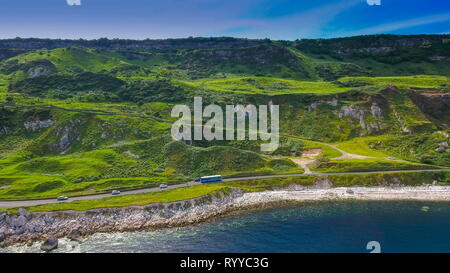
(209,179)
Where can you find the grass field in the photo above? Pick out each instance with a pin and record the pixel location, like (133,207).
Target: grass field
(73,59)
(418,81)
(366,165)
(3,87)
(268,86)
(361,146)
(78,174)
(327,151)
(135,164)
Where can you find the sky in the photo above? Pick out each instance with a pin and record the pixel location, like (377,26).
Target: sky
(274,19)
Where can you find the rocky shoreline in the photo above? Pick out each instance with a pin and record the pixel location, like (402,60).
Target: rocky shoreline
(28,228)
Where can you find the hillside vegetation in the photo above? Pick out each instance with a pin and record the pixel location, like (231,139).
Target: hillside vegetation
(81,117)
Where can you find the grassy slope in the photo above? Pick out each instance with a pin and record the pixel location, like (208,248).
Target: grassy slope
(109,168)
(117,167)
(29,182)
(361,146)
(364,165)
(417,81)
(327,151)
(268,86)
(74,59)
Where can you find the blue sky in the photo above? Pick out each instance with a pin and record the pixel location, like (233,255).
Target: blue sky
(275,19)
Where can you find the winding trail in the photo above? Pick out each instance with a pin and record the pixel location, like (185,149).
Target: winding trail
(346,155)
(307,158)
(27,203)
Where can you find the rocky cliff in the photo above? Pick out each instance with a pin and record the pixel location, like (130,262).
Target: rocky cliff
(29,227)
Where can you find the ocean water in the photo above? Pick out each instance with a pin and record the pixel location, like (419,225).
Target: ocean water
(313,227)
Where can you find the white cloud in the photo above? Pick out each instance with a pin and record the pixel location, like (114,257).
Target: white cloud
(303,24)
(384,28)
(74,2)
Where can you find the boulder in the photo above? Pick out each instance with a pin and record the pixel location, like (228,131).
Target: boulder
(19,221)
(22,211)
(25,213)
(322,183)
(19,231)
(75,235)
(349,191)
(3,217)
(443,144)
(38,229)
(49,244)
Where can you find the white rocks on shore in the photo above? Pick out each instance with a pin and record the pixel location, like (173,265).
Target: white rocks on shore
(423,193)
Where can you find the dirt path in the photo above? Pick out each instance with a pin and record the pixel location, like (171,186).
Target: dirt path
(308,157)
(346,155)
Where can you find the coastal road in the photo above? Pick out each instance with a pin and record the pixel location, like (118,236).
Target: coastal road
(28,203)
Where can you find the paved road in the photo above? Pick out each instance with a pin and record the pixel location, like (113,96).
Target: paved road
(27,203)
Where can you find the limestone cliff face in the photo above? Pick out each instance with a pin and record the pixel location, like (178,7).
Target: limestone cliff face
(360,114)
(27,227)
(66,134)
(35,125)
(435,105)
(38,71)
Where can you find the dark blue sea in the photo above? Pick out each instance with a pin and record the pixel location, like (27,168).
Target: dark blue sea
(313,227)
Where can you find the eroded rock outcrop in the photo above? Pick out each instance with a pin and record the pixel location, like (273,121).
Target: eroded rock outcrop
(38,71)
(35,125)
(370,119)
(66,135)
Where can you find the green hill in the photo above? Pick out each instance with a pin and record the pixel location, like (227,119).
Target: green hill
(78,117)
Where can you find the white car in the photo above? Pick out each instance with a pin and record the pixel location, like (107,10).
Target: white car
(163,186)
(115,192)
(62,198)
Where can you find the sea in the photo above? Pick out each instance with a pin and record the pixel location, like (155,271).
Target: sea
(321,227)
